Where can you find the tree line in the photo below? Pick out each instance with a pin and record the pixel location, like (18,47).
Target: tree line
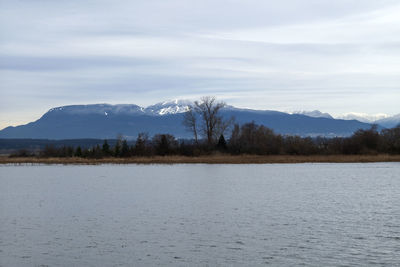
(209,129)
(249,138)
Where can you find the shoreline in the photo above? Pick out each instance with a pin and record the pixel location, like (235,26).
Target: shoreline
(212,159)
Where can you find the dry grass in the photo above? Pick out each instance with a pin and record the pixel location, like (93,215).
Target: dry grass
(214,159)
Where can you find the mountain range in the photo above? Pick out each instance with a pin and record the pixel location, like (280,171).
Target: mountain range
(379,118)
(107,121)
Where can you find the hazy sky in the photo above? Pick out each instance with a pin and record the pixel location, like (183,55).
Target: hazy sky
(336,56)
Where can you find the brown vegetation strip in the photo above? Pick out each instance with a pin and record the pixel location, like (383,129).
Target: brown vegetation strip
(214,159)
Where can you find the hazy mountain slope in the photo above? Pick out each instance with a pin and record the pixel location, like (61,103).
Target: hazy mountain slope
(363,117)
(67,126)
(389,122)
(299,124)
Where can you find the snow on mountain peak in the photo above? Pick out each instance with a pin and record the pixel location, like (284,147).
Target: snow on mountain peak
(163,108)
(169,107)
(104,109)
(314,114)
(171,102)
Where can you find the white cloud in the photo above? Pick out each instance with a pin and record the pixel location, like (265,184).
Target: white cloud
(374,27)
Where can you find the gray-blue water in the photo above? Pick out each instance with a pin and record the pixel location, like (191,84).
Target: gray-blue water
(200,215)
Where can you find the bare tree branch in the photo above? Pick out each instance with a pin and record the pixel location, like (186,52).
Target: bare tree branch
(190,122)
(212,124)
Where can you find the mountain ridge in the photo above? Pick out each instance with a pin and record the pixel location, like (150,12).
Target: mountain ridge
(108,121)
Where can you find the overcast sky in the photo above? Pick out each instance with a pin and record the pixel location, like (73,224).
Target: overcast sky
(336,56)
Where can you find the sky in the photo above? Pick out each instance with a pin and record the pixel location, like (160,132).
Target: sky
(335,56)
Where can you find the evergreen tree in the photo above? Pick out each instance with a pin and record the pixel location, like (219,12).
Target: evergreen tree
(163,146)
(221,143)
(97,152)
(141,144)
(124,149)
(78,152)
(117,149)
(106,148)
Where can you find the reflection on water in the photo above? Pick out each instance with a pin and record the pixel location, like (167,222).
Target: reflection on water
(180,215)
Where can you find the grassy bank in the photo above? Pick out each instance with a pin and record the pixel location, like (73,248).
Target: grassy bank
(214,159)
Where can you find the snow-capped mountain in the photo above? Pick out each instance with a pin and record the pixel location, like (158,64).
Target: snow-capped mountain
(363,117)
(108,121)
(314,114)
(169,107)
(101,109)
(162,108)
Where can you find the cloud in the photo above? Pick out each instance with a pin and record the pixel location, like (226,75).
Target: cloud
(285,55)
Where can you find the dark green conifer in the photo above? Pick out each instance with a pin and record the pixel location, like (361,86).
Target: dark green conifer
(117,149)
(106,148)
(78,152)
(124,149)
(221,143)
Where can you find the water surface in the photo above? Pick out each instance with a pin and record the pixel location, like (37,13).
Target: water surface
(215,215)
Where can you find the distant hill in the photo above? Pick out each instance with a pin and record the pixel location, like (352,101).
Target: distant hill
(11,145)
(389,122)
(363,117)
(107,121)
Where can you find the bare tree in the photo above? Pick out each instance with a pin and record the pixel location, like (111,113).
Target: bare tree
(190,122)
(211,123)
(141,145)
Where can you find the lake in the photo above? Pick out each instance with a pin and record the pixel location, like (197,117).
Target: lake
(201,215)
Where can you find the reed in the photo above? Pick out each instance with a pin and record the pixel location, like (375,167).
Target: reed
(212,159)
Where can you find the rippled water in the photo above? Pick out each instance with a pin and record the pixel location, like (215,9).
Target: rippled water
(180,215)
